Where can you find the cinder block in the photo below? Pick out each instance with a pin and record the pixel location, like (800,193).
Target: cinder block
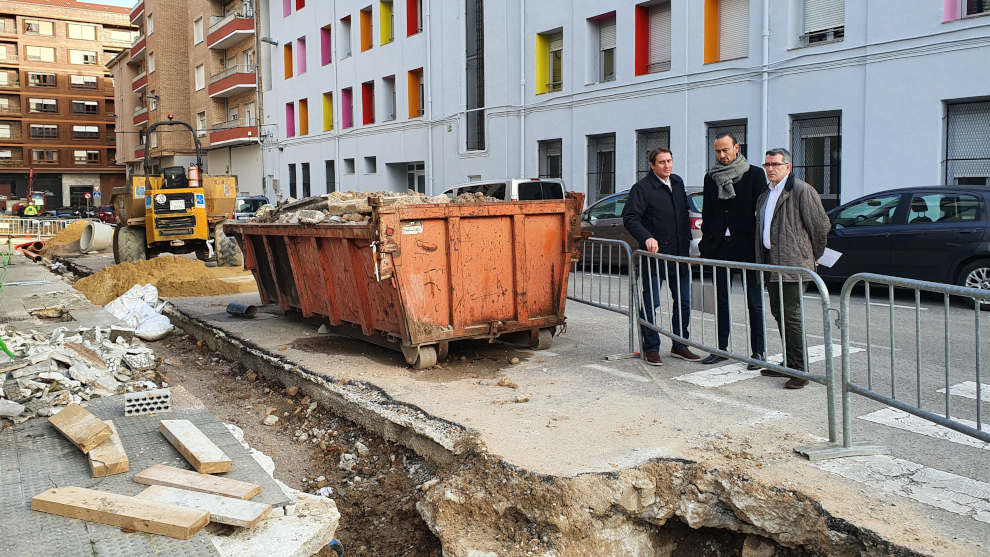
(147,402)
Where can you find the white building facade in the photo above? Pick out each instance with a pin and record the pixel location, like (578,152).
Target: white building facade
(373,94)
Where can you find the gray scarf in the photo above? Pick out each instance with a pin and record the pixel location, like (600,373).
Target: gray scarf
(724,175)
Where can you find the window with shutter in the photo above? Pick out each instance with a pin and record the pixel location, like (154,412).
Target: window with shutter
(816,144)
(733,24)
(659,60)
(556,62)
(738,130)
(606,47)
(967,151)
(824,20)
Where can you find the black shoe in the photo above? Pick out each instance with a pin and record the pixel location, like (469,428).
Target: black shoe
(713,359)
(754,367)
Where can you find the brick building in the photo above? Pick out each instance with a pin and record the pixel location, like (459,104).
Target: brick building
(195,60)
(57,111)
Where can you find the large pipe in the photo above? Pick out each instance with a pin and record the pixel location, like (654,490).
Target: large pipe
(97,236)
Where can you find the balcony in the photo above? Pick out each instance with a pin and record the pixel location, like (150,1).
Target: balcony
(12,82)
(226,31)
(137,51)
(141,116)
(234,132)
(10,109)
(139,152)
(233,80)
(139,82)
(13,163)
(137,12)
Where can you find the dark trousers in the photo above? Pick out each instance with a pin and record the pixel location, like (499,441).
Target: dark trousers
(790,323)
(652,277)
(754,305)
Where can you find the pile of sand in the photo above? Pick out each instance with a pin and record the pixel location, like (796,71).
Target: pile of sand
(66,241)
(173,276)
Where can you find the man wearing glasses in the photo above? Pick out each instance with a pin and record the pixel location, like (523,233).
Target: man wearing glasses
(793,230)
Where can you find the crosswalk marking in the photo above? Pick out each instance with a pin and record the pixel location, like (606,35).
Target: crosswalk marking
(617,373)
(731,373)
(899,419)
(895,476)
(967,389)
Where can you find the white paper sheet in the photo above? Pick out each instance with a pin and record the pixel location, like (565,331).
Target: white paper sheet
(829,257)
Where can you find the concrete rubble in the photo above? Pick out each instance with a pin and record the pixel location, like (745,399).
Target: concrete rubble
(52,370)
(346,207)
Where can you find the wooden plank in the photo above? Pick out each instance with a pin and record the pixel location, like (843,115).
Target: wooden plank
(121,511)
(109,458)
(223,510)
(78,425)
(203,454)
(160,474)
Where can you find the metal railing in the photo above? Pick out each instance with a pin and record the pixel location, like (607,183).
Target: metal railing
(649,265)
(230,124)
(978,298)
(596,280)
(233,70)
(218,21)
(14,227)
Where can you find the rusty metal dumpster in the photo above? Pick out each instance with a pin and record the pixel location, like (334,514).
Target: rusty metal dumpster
(417,277)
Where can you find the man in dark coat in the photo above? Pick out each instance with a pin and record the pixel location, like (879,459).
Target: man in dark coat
(728,232)
(656,214)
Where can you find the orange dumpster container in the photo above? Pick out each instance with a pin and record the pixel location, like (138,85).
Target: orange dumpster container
(417,277)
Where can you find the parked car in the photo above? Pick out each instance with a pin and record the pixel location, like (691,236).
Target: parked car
(937,233)
(529,189)
(105,214)
(604,220)
(64,212)
(247,205)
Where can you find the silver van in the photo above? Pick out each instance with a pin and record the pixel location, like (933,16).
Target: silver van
(527,189)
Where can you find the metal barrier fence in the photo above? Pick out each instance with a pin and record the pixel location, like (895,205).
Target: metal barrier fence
(674,266)
(597,280)
(978,298)
(13,227)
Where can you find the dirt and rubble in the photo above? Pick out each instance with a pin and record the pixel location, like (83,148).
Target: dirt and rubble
(64,366)
(375,483)
(66,241)
(174,276)
(350,207)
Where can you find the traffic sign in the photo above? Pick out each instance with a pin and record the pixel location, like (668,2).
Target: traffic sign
(87,195)
(97,195)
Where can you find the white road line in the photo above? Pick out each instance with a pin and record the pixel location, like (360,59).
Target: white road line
(899,419)
(895,476)
(766,414)
(618,373)
(724,375)
(968,389)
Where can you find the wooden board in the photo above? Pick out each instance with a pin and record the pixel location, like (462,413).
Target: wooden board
(223,510)
(203,454)
(109,457)
(78,425)
(121,511)
(160,474)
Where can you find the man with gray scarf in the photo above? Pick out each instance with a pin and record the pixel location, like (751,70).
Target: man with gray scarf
(728,229)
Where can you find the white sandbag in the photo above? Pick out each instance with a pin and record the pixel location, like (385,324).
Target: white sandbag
(136,308)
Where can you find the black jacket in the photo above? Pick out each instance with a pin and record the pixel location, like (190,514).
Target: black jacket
(653,211)
(737,214)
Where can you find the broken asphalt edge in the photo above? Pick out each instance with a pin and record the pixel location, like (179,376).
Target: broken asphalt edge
(453,445)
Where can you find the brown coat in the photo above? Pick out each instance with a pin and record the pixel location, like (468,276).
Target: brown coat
(798,231)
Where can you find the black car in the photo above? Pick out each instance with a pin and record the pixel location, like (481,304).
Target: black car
(937,233)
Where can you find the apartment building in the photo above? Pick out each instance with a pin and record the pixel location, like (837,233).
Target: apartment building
(193,60)
(373,94)
(57,110)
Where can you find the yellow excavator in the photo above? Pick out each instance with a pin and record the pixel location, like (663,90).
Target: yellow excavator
(177,211)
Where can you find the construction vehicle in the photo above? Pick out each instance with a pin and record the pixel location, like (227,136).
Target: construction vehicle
(176,211)
(33,203)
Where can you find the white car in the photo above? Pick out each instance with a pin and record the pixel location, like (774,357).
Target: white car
(529,189)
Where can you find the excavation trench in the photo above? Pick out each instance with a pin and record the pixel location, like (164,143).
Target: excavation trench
(478,504)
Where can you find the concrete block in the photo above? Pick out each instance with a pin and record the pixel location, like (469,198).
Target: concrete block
(147,402)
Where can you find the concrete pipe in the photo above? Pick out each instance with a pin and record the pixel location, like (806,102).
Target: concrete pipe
(97,236)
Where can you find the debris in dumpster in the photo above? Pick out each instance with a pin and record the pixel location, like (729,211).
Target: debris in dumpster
(341,207)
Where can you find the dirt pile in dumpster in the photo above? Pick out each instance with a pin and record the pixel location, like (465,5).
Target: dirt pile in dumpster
(174,277)
(66,241)
(341,207)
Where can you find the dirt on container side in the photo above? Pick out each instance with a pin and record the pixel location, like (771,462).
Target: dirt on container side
(173,276)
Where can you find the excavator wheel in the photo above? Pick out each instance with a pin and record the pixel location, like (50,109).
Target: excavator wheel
(129,244)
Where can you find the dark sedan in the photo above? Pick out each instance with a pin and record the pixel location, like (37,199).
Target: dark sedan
(938,234)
